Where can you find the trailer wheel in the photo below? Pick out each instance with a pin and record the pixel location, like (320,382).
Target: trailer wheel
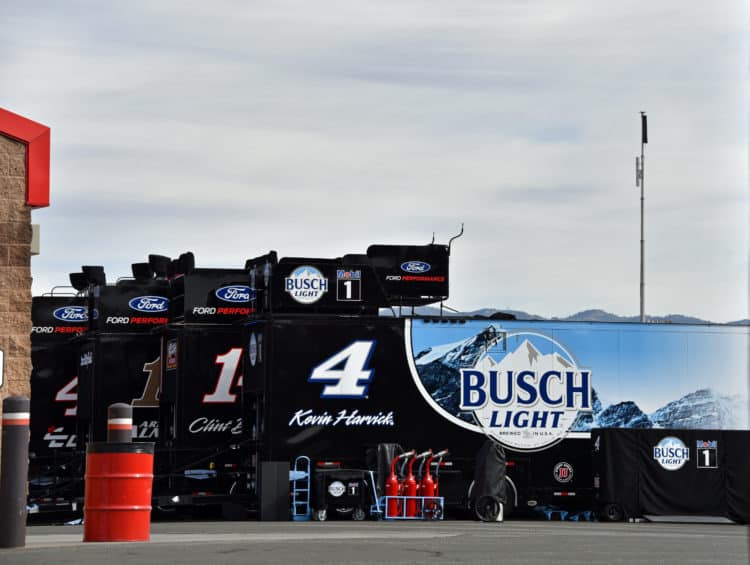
(487,509)
(510,504)
(358,515)
(612,513)
(321,515)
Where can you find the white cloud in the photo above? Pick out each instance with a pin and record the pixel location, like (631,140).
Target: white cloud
(319,128)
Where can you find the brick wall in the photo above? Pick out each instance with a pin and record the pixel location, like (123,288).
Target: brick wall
(15,269)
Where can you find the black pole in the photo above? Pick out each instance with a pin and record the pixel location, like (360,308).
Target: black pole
(119,423)
(644,140)
(14,470)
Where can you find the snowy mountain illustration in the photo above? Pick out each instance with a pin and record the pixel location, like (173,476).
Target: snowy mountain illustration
(702,409)
(439,366)
(439,369)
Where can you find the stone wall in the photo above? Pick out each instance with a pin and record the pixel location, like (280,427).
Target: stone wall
(15,269)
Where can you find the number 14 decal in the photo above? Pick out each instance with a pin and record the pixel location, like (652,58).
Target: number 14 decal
(229,362)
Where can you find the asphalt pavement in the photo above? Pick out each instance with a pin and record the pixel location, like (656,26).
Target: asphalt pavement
(515,541)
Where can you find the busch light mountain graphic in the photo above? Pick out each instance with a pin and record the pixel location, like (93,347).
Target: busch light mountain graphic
(438,366)
(523,389)
(703,409)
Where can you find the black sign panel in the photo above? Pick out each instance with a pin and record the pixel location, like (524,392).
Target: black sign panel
(56,320)
(120,368)
(217,296)
(339,387)
(208,403)
(411,274)
(325,286)
(54,394)
(649,471)
(132,306)
(58,317)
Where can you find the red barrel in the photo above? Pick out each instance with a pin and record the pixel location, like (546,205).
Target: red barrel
(117,501)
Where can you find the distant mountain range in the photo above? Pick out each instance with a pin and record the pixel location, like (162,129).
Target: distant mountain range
(584,316)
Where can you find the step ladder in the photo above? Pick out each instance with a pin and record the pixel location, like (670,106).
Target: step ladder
(300,478)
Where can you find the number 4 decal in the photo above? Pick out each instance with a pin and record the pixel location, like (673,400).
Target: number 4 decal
(345,374)
(68,393)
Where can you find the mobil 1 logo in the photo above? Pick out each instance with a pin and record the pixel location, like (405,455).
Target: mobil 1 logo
(348,285)
(708,454)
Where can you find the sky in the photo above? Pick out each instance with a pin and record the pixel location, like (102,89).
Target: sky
(318,128)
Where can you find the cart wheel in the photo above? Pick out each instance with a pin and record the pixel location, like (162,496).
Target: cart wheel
(320,515)
(613,513)
(358,515)
(487,509)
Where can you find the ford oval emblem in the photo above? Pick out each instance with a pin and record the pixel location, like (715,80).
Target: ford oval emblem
(71,314)
(149,304)
(415,267)
(235,293)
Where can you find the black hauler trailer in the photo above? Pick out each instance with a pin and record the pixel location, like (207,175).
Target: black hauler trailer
(240,374)
(204,456)
(55,464)
(327,376)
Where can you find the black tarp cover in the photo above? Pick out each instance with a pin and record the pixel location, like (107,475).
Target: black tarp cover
(631,477)
(489,472)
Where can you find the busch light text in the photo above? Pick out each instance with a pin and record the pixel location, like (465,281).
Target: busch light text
(671,453)
(517,392)
(300,286)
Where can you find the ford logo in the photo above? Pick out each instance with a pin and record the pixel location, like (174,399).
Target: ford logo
(149,304)
(415,267)
(235,293)
(71,314)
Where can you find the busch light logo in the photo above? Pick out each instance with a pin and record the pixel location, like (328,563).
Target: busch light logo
(671,453)
(415,267)
(149,304)
(71,314)
(235,293)
(530,397)
(306,284)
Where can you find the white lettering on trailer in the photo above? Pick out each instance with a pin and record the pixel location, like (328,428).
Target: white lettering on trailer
(68,393)
(42,329)
(118,320)
(353,379)
(203,310)
(303,418)
(214,425)
(148,429)
(229,362)
(58,439)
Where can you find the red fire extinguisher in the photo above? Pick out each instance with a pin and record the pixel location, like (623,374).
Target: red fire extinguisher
(429,486)
(393,487)
(410,486)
